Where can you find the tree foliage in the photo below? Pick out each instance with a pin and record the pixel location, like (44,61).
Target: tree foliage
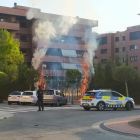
(73,76)
(10,55)
(3,78)
(32,76)
(123,74)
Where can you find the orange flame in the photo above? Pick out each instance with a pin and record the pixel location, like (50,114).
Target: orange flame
(85,68)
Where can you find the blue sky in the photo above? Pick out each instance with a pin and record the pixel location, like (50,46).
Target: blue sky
(112,15)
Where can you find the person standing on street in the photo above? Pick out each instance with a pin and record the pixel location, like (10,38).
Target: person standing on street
(40,98)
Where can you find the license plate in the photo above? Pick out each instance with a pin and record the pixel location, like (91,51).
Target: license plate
(85,104)
(13,97)
(25,97)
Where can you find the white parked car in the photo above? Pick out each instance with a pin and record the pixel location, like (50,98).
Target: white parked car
(14,97)
(28,97)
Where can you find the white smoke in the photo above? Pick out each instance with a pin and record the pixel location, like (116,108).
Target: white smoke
(45,30)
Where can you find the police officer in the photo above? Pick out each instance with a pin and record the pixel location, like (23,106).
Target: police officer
(40,98)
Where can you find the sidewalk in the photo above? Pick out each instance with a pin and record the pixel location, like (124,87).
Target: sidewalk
(5,115)
(126,126)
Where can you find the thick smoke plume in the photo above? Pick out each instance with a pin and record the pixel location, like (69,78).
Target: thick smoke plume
(45,30)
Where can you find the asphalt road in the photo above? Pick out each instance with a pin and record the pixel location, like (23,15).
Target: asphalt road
(63,123)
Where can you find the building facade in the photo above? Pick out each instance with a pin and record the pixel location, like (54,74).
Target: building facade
(123,44)
(64,52)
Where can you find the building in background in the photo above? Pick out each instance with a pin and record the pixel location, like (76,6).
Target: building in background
(65,52)
(124,44)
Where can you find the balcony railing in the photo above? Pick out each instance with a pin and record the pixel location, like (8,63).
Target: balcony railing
(9,25)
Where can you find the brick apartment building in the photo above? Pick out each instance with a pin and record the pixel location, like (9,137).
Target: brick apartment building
(123,44)
(64,53)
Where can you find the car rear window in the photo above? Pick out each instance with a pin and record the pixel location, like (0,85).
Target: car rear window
(89,93)
(15,93)
(48,92)
(27,93)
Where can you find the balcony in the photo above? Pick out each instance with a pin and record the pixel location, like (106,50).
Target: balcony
(59,59)
(51,73)
(9,26)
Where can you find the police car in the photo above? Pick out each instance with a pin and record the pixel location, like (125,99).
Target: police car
(102,99)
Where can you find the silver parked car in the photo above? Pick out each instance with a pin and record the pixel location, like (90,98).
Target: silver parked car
(28,97)
(54,97)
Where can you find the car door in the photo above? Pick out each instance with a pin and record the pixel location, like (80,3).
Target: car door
(106,97)
(117,99)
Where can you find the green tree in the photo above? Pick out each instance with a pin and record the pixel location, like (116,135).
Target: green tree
(3,78)
(108,73)
(10,55)
(99,77)
(73,76)
(32,76)
(118,61)
(123,74)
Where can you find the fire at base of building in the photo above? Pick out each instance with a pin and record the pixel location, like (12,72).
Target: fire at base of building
(65,50)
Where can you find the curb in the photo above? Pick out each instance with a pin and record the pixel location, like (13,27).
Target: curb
(5,115)
(118,132)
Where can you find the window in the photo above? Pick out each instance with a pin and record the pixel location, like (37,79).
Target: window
(54,52)
(124,59)
(106,94)
(102,40)
(80,53)
(135,35)
(116,94)
(123,49)
(103,61)
(24,52)
(116,50)
(23,24)
(15,93)
(133,47)
(133,58)
(116,39)
(48,92)
(3,19)
(123,38)
(135,68)
(23,38)
(27,93)
(103,51)
(90,94)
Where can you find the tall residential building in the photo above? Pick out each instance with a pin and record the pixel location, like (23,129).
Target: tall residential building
(64,52)
(124,44)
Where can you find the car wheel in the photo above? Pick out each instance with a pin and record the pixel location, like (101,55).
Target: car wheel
(9,103)
(87,108)
(57,103)
(101,106)
(114,108)
(128,106)
(18,103)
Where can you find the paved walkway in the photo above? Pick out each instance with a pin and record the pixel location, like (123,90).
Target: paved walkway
(5,115)
(122,126)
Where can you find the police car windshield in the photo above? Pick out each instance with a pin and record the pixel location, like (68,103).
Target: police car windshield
(48,92)
(89,93)
(27,93)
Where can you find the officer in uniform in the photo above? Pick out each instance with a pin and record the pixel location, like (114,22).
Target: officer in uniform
(40,98)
